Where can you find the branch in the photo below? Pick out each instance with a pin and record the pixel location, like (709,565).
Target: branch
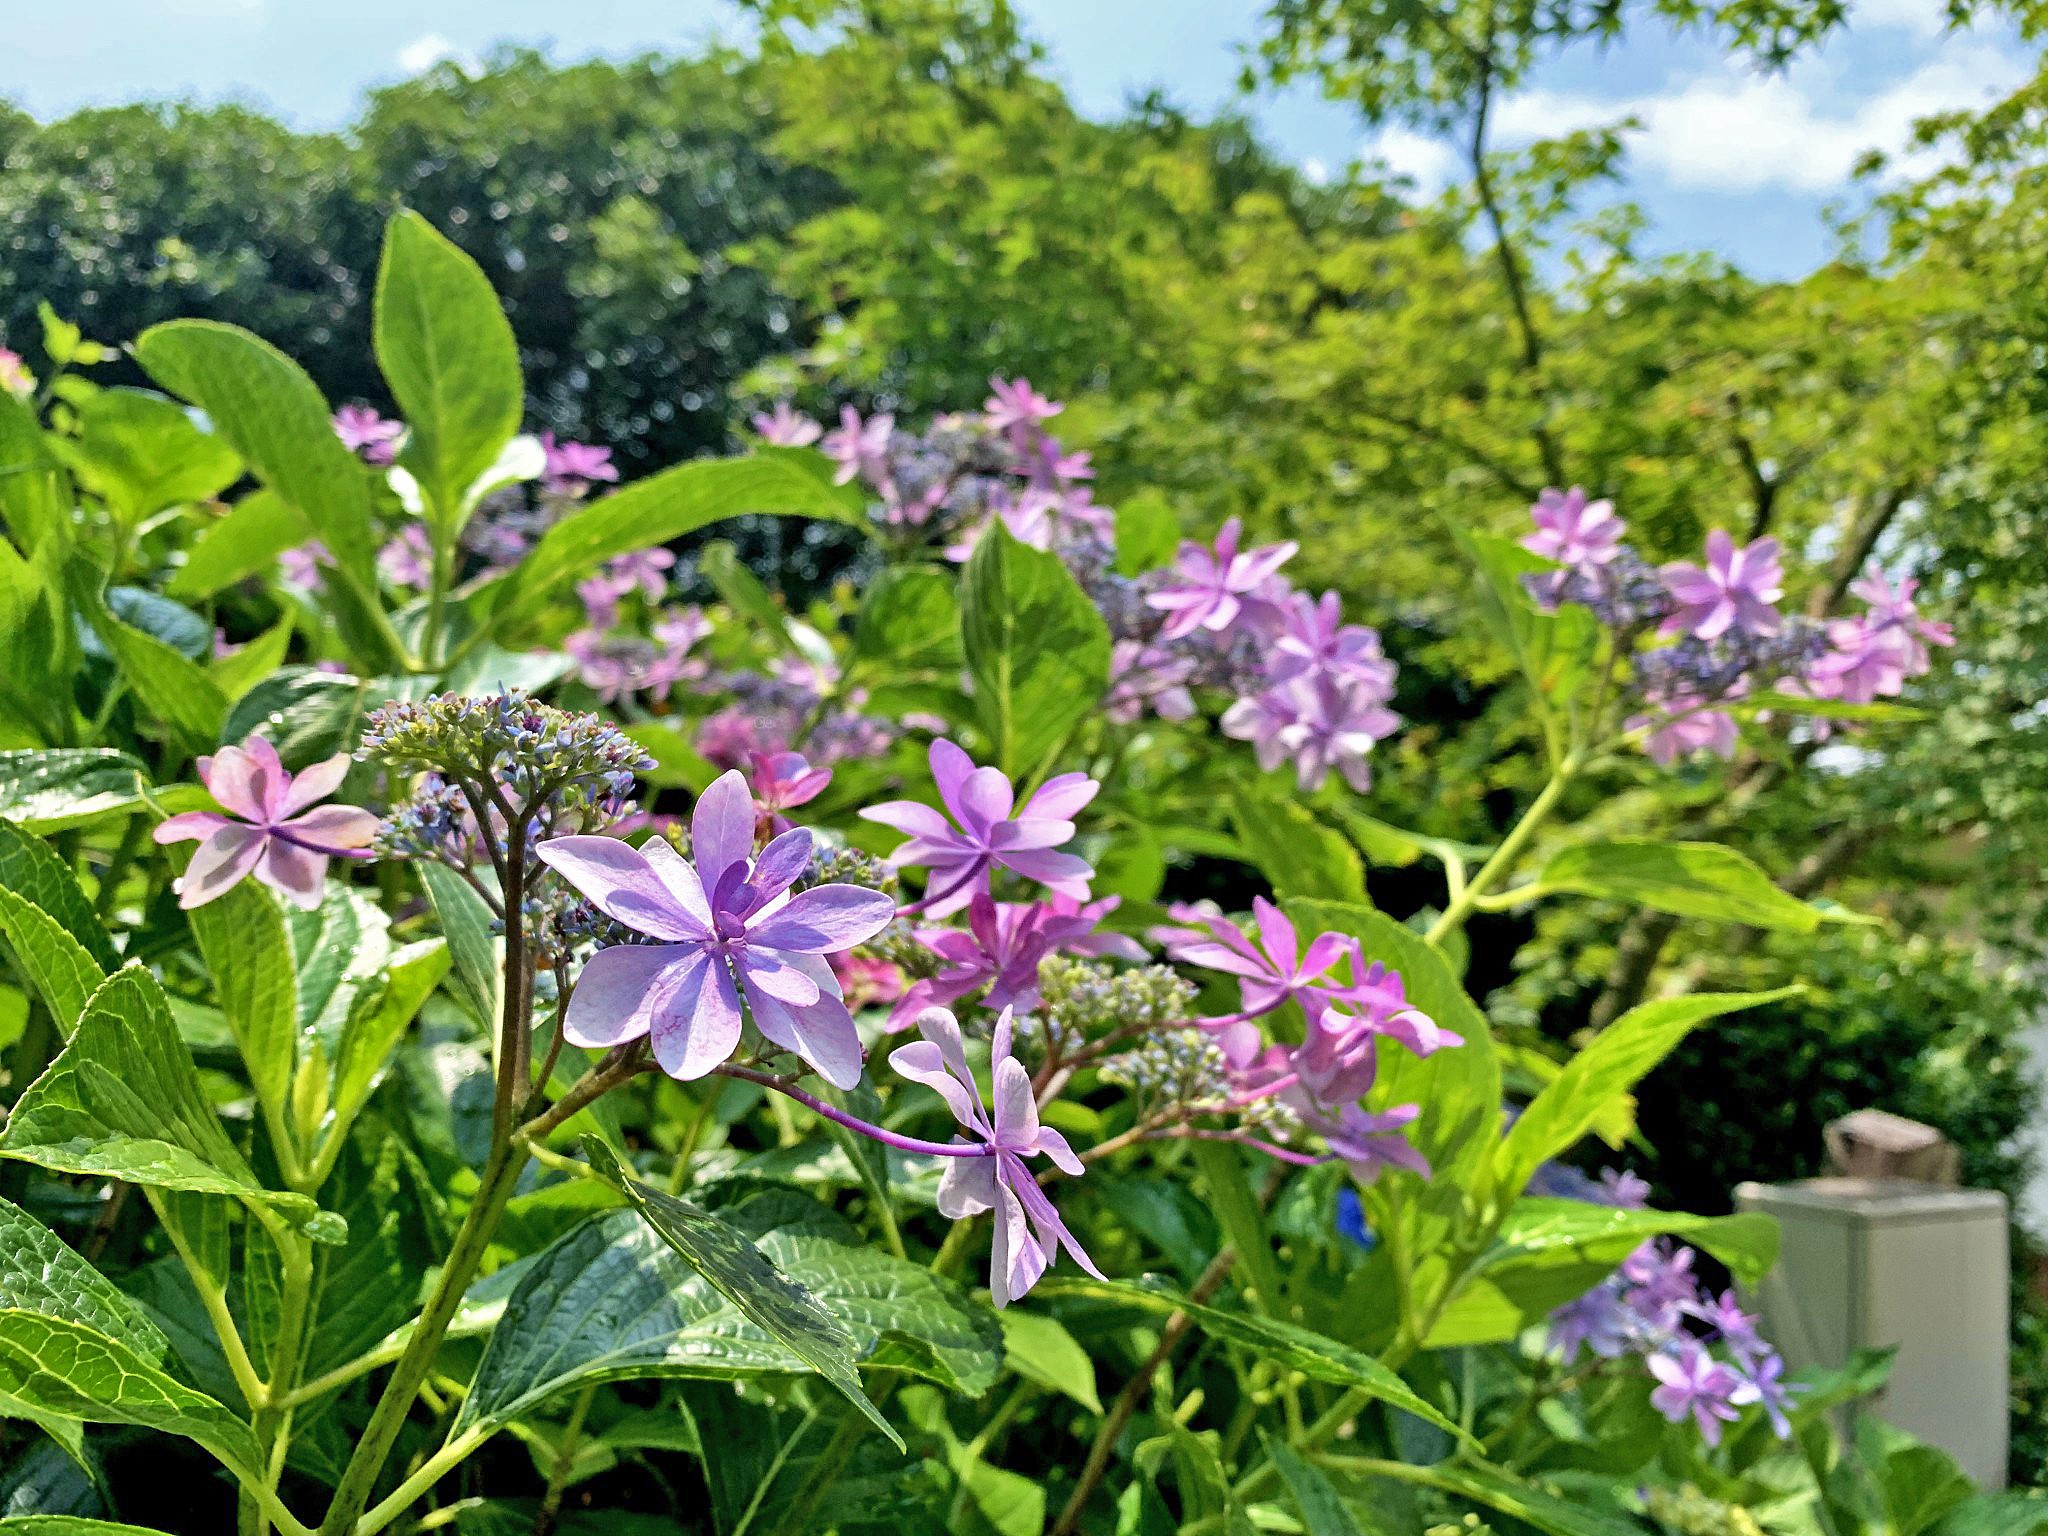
(1854,553)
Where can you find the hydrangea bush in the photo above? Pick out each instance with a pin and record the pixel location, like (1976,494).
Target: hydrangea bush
(570,1069)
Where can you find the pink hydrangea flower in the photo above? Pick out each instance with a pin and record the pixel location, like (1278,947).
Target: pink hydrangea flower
(782,781)
(408,560)
(1894,617)
(1014,405)
(1686,729)
(1215,581)
(1573,531)
(302,563)
(363,431)
(1001,948)
(1735,589)
(1369,1143)
(786,427)
(1314,640)
(273,827)
(725,928)
(15,379)
(860,448)
(1317,723)
(1028,1230)
(1275,969)
(983,834)
(570,469)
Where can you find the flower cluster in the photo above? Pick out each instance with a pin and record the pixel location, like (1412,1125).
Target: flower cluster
(15,379)
(1701,636)
(1654,1308)
(509,754)
(795,706)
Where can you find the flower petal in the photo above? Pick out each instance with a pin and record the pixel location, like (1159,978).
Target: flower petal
(220,863)
(334,826)
(722,827)
(985,799)
(696,1028)
(297,874)
(618,880)
(316,783)
(967,1187)
(235,778)
(823,1034)
(1067,873)
(766,971)
(909,816)
(781,862)
(1060,799)
(620,990)
(1016,1109)
(680,876)
(191,824)
(951,769)
(825,919)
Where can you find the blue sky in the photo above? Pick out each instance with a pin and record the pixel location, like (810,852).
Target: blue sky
(1725,161)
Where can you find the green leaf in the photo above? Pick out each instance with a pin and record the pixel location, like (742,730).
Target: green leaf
(124,1101)
(68,1525)
(1323,1510)
(31,870)
(274,415)
(1036,648)
(467,921)
(1039,1349)
(306,714)
(1284,1344)
(1147,533)
(141,453)
(49,791)
(1550,1252)
(63,973)
(258,528)
(1603,1072)
(677,764)
(1546,1512)
(377,1020)
(255,662)
(40,1273)
(1704,880)
(659,510)
(34,495)
(448,353)
(1825,709)
(243,937)
(1295,852)
(909,621)
(787,1313)
(174,688)
(61,1365)
(719,563)
(1553,650)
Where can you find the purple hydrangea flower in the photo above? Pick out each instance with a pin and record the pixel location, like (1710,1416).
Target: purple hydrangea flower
(1691,1381)
(1734,590)
(1215,581)
(1578,534)
(1314,641)
(1001,948)
(786,427)
(1684,729)
(408,560)
(363,431)
(1733,1326)
(272,828)
(726,927)
(1369,1143)
(1273,971)
(302,563)
(1597,1321)
(1894,615)
(982,833)
(782,781)
(1317,723)
(570,469)
(1337,1058)
(1028,1231)
(1764,1383)
(1015,404)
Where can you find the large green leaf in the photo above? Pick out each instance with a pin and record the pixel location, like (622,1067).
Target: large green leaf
(61,1365)
(48,791)
(34,498)
(1314,1355)
(1553,650)
(31,870)
(1603,1073)
(306,714)
(376,1020)
(175,690)
(142,453)
(1323,1510)
(1036,648)
(1702,880)
(1040,1349)
(39,1273)
(49,959)
(659,509)
(448,353)
(124,1101)
(1294,851)
(243,937)
(68,1525)
(274,415)
(789,1316)
(909,621)
(466,920)
(1550,1252)
(247,542)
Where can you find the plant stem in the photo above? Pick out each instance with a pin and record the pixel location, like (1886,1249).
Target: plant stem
(1504,858)
(436,1467)
(565,1460)
(839,1116)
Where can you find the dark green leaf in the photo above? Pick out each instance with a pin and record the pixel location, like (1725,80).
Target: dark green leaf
(243,938)
(31,870)
(467,921)
(909,621)
(306,714)
(1323,1511)
(141,453)
(1036,648)
(786,1312)
(258,528)
(1295,852)
(49,959)
(48,791)
(448,353)
(377,1020)
(39,1273)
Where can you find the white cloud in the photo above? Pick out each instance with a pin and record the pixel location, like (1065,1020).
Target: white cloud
(1431,164)
(423,53)
(1731,131)
(1921,18)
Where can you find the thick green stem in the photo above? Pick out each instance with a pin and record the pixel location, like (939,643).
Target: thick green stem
(1510,851)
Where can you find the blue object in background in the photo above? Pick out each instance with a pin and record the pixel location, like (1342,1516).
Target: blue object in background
(1351,1219)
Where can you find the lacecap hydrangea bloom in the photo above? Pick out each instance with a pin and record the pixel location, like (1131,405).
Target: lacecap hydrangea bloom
(270,825)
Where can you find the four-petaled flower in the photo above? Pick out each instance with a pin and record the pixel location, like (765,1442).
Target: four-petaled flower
(1735,589)
(1276,969)
(1691,1381)
(980,800)
(1215,581)
(724,928)
(860,448)
(782,781)
(272,826)
(1015,404)
(1573,531)
(1028,1231)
